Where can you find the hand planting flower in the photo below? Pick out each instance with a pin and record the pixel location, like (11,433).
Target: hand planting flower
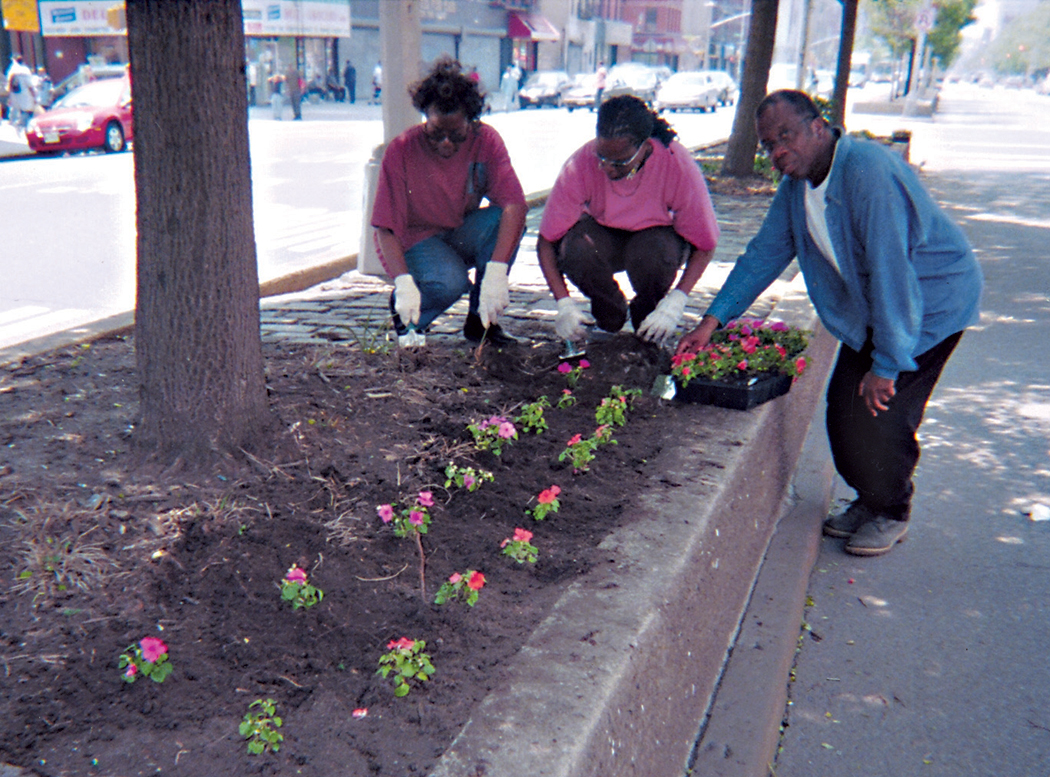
(531,418)
(295,588)
(492,434)
(613,408)
(259,727)
(407,661)
(568,399)
(410,520)
(546,502)
(149,657)
(465,587)
(465,477)
(746,348)
(572,374)
(520,548)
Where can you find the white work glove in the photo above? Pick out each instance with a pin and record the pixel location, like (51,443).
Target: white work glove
(569,321)
(494,296)
(661,323)
(406,299)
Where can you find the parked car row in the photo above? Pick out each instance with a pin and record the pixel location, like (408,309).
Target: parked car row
(702,90)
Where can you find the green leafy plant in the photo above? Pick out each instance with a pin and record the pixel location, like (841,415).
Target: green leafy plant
(572,374)
(412,521)
(531,418)
(546,503)
(466,477)
(407,661)
(464,587)
(613,408)
(295,588)
(493,433)
(567,399)
(149,658)
(744,349)
(579,452)
(520,547)
(260,726)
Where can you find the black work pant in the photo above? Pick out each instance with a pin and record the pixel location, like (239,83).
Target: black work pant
(590,254)
(876,455)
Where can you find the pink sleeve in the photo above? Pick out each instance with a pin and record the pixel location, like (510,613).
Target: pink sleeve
(505,188)
(567,201)
(694,215)
(391,204)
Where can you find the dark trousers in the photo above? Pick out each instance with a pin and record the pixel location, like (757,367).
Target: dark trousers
(590,254)
(876,455)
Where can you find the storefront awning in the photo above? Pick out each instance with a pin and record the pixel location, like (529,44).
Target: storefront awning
(531,27)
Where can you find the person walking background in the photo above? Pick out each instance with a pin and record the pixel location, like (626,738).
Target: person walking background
(631,199)
(890,275)
(350,82)
(430,228)
(21,100)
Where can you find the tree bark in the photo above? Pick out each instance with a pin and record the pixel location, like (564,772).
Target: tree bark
(743,142)
(198,346)
(849,29)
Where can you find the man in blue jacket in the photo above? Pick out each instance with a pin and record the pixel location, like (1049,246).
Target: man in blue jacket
(890,275)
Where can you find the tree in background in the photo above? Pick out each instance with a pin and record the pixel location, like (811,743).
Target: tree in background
(894,22)
(1023,46)
(743,141)
(946,36)
(197,340)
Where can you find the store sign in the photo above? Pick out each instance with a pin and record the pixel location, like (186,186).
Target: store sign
(312,18)
(76,18)
(20,15)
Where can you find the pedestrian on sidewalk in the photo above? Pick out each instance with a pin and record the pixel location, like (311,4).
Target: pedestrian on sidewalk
(429,227)
(350,82)
(631,199)
(21,101)
(891,276)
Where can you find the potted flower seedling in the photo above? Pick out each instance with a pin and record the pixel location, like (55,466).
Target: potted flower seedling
(520,547)
(148,658)
(406,660)
(411,521)
(531,418)
(613,409)
(567,399)
(493,433)
(260,726)
(546,503)
(465,587)
(295,588)
(572,374)
(466,477)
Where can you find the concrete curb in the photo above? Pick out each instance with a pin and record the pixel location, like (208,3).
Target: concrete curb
(617,680)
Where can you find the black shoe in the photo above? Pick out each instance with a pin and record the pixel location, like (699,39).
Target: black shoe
(474,331)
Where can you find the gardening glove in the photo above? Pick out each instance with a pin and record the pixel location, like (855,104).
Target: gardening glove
(661,323)
(406,299)
(494,296)
(569,321)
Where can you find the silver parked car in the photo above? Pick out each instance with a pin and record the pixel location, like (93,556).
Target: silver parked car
(687,91)
(727,88)
(544,87)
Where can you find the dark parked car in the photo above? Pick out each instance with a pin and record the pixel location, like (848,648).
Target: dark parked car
(96,115)
(544,87)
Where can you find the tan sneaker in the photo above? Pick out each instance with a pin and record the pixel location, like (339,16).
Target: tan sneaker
(877,536)
(845,524)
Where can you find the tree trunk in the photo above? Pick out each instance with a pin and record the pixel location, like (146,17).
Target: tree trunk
(743,142)
(198,345)
(849,28)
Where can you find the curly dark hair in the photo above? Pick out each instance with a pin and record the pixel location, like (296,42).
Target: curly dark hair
(628,116)
(448,89)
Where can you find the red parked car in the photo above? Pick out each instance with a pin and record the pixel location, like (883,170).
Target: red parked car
(95,115)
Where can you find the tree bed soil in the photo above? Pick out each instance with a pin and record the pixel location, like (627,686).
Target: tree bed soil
(100,548)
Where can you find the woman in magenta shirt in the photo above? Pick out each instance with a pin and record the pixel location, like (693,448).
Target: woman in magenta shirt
(633,199)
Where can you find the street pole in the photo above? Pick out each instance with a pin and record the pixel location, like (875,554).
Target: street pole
(800,72)
(400,47)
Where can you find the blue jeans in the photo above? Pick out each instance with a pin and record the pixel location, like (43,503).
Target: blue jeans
(439,264)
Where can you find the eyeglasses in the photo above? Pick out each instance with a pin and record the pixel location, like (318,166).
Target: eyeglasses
(785,137)
(439,136)
(620,164)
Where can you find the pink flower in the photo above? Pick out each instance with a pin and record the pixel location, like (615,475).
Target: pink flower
(152,649)
(584,364)
(745,329)
(386,512)
(742,365)
(522,535)
(686,372)
(359,713)
(574,439)
(679,358)
(495,420)
(476,582)
(296,575)
(131,671)
(468,482)
(778,326)
(505,543)
(548,495)
(415,518)
(564,368)
(507,430)
(781,350)
(567,392)
(426,499)
(455,578)
(401,644)
(800,364)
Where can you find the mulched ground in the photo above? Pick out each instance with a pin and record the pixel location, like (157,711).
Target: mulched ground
(96,553)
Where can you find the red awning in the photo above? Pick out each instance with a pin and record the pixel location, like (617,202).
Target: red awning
(531,27)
